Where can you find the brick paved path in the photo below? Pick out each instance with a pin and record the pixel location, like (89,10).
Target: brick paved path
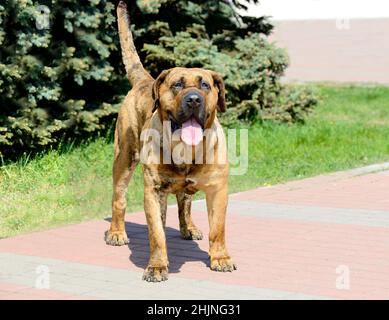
(327,50)
(318,238)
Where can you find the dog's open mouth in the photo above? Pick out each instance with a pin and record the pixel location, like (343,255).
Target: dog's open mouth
(191,131)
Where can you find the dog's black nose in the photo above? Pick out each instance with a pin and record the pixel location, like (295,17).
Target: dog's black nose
(193,100)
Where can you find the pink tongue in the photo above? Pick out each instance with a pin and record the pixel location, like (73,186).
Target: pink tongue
(191,132)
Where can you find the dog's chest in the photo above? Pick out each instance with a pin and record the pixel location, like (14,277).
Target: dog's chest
(175,179)
(177,184)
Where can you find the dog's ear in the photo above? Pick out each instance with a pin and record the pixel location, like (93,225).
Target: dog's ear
(157,83)
(219,84)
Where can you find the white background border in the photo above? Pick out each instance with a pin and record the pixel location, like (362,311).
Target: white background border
(320,9)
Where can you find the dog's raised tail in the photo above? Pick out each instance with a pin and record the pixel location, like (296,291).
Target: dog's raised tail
(134,68)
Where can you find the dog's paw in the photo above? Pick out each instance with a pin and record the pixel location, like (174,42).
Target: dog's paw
(223,265)
(192,234)
(116,238)
(155,274)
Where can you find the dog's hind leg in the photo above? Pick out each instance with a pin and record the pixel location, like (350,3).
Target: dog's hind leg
(126,159)
(187,228)
(163,206)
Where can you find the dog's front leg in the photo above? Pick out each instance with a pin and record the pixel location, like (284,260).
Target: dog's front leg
(155,202)
(217,197)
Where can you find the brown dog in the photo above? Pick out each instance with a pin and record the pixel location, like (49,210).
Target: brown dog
(189,100)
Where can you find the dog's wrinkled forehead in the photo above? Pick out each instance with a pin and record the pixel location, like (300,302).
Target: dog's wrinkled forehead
(189,76)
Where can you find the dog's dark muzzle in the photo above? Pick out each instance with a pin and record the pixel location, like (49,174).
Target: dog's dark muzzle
(192,105)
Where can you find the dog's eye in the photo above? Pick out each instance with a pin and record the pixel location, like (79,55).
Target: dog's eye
(204,85)
(178,86)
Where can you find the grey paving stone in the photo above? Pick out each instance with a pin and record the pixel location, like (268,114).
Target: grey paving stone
(111,283)
(372,218)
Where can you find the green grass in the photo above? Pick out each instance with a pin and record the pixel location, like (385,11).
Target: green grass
(368,105)
(349,128)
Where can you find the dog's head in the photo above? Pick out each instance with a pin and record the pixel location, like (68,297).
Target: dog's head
(189,98)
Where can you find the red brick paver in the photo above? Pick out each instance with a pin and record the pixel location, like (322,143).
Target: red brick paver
(340,190)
